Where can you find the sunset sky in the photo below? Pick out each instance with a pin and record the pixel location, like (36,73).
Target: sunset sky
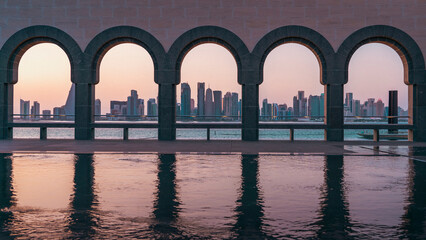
(44,74)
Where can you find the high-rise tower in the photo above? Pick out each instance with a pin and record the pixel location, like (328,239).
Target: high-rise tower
(209,107)
(200,99)
(185,99)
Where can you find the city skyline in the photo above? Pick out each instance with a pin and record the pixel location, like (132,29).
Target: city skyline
(209,103)
(116,83)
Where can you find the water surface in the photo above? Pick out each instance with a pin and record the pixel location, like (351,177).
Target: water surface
(218,196)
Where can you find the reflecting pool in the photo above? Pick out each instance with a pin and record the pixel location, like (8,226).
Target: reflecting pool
(367,194)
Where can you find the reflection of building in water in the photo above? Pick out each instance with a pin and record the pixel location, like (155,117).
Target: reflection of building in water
(249,211)
(166,203)
(83,219)
(414,219)
(333,220)
(7,199)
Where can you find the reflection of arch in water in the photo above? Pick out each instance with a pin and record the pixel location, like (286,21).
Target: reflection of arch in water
(83,219)
(414,219)
(166,203)
(249,212)
(7,199)
(333,220)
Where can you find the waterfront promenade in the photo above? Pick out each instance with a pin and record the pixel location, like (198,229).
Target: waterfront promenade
(197,146)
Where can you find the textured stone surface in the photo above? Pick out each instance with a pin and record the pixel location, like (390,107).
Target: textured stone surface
(249,19)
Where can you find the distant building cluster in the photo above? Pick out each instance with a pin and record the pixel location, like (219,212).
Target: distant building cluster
(369,108)
(65,112)
(302,107)
(133,108)
(210,104)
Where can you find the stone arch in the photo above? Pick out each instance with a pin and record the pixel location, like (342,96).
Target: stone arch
(21,41)
(207,34)
(414,68)
(111,37)
(294,34)
(10,55)
(401,42)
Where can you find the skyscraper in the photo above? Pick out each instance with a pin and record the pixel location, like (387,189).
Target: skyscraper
(200,99)
(152,107)
(217,103)
(24,109)
(209,107)
(235,106)
(227,104)
(35,110)
(59,113)
(296,106)
(69,106)
(98,107)
(356,108)
(379,108)
(371,111)
(349,102)
(193,109)
(185,99)
(132,103)
(322,105)
(141,107)
(314,106)
(263,111)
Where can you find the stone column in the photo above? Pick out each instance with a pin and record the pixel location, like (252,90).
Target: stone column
(333,106)
(84,99)
(6,110)
(166,111)
(417,112)
(250,112)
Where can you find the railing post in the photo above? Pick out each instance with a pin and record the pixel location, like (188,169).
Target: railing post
(250,112)
(43,133)
(376,135)
(125,133)
(333,106)
(291,134)
(208,134)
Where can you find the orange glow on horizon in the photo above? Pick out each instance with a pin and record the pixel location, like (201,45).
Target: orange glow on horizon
(44,74)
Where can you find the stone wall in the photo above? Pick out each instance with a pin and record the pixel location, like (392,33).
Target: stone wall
(248,19)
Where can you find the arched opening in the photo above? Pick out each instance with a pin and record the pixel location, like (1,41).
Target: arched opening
(291,91)
(375,74)
(209,91)
(44,91)
(126,91)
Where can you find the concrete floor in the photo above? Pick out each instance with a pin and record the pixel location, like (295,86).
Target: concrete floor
(198,146)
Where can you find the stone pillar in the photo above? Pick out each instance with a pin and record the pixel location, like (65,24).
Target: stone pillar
(84,99)
(6,110)
(417,112)
(166,111)
(250,112)
(333,102)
